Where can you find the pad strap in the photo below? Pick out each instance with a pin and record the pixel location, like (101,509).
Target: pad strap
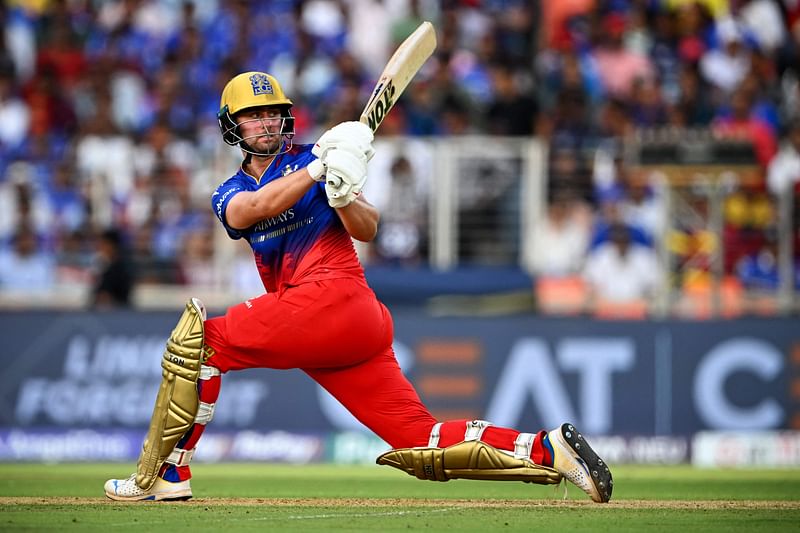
(180,457)
(433,441)
(475,429)
(208,372)
(523,445)
(205,412)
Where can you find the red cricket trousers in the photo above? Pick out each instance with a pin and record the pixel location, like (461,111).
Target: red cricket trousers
(338,333)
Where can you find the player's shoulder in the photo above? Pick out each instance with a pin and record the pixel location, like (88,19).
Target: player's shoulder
(236,181)
(238,176)
(300,150)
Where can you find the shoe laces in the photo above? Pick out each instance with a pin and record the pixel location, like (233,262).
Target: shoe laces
(556,487)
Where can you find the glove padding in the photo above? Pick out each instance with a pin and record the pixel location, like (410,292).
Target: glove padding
(352,133)
(346,176)
(317,170)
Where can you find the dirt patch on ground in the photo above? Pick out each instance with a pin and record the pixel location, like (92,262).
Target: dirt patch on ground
(441,503)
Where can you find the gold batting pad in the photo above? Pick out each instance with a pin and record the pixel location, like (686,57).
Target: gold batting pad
(177,401)
(467,460)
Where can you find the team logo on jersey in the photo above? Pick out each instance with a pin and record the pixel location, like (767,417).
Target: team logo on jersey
(261,84)
(288,170)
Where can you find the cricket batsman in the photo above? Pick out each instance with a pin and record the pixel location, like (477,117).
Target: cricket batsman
(299,206)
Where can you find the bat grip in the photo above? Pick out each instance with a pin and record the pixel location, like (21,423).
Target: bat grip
(333,180)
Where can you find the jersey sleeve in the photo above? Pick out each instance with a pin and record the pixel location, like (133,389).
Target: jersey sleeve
(219,203)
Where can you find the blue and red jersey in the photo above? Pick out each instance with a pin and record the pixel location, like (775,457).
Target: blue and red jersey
(305,243)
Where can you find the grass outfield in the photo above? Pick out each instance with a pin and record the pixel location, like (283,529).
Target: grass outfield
(236,497)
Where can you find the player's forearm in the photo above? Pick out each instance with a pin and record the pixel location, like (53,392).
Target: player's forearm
(360,219)
(248,208)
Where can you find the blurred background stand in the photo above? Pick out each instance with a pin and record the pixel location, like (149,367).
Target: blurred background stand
(705,178)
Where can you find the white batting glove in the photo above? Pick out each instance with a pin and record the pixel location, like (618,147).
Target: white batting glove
(317,170)
(346,176)
(352,132)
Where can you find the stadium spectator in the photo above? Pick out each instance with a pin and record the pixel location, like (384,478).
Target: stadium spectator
(558,20)
(23,202)
(742,123)
(569,172)
(560,239)
(126,93)
(759,268)
(401,237)
(14,112)
(471,67)
(663,53)
(620,270)
(726,66)
(447,94)
(150,269)
(402,25)
(783,172)
(569,124)
(368,29)
(18,41)
(628,197)
(75,259)
(693,107)
(69,206)
(114,272)
(105,158)
(25,265)
(762,84)
(196,264)
(763,20)
(642,206)
(60,54)
(613,123)
(619,67)
(421,110)
(648,108)
(511,110)
(51,110)
(310,70)
(695,28)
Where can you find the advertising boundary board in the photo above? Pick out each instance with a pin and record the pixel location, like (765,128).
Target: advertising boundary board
(100,371)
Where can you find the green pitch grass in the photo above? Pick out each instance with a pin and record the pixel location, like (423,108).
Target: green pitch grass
(237,497)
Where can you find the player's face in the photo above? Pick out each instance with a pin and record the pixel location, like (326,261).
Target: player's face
(260,127)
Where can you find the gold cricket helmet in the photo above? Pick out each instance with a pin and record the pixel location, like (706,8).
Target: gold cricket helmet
(247,90)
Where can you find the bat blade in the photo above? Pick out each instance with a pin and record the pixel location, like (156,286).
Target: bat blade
(397,74)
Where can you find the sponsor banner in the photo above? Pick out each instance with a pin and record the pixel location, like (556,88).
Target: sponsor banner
(269,447)
(712,449)
(346,447)
(645,450)
(102,370)
(355,448)
(19,445)
(609,378)
(69,445)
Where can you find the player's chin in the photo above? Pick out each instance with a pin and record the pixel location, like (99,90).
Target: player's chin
(265,145)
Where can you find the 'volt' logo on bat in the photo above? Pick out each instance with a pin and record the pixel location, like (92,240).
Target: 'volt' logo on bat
(382,107)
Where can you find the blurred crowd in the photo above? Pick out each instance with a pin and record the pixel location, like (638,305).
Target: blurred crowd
(109,147)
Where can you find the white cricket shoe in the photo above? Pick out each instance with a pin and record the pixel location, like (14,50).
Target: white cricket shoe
(127,490)
(577,462)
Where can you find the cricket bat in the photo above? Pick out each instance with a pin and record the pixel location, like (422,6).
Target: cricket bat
(397,74)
